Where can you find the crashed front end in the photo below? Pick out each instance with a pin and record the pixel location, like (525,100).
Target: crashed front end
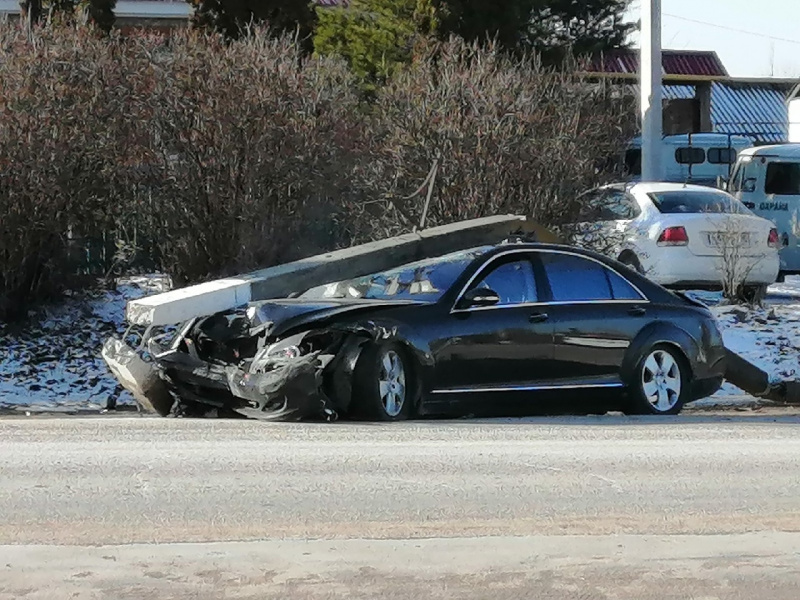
(231,363)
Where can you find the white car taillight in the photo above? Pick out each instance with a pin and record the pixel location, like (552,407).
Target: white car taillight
(673,236)
(774,240)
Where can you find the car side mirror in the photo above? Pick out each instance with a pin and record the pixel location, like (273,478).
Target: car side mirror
(749,185)
(479,297)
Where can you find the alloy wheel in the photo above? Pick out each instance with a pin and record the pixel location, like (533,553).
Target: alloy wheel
(661,380)
(392,383)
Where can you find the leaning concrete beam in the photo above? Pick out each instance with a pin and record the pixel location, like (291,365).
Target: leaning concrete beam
(281,280)
(183,304)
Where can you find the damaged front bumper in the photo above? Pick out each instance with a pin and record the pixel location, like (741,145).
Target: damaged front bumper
(284,388)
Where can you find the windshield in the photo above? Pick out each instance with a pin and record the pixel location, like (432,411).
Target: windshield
(696,201)
(423,281)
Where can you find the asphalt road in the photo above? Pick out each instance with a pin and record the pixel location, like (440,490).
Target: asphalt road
(608,507)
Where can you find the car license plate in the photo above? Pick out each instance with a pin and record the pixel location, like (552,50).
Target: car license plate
(720,239)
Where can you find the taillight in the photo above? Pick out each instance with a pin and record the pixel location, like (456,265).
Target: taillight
(673,236)
(774,240)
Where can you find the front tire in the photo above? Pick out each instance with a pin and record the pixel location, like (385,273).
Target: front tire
(383,384)
(661,383)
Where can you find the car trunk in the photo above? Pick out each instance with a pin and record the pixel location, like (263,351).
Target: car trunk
(713,234)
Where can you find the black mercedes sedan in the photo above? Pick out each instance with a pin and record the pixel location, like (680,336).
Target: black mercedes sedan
(492,330)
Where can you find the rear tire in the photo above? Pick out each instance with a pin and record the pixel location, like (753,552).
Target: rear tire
(383,384)
(661,382)
(630,260)
(753,294)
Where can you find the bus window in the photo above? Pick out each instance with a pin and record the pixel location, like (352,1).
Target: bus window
(721,156)
(690,156)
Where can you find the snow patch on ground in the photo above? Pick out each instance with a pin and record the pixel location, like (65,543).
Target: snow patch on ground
(53,362)
(768,337)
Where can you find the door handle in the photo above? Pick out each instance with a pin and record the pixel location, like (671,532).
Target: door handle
(637,311)
(538,318)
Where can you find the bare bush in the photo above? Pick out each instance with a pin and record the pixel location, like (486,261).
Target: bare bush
(511,136)
(737,262)
(60,147)
(251,149)
(207,158)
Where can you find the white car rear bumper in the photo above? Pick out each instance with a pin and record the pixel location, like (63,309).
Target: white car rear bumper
(677,266)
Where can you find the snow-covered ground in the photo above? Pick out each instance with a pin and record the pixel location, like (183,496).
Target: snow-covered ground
(55,363)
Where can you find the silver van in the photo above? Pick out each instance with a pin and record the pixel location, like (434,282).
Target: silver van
(767,180)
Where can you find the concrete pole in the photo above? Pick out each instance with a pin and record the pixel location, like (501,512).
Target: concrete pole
(650,81)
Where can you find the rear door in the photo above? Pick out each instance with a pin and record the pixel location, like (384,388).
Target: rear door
(596,313)
(495,348)
(780,204)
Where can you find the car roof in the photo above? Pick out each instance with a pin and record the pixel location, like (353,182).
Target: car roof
(662,186)
(541,246)
(777,150)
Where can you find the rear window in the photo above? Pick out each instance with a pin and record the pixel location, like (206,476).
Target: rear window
(694,201)
(783,179)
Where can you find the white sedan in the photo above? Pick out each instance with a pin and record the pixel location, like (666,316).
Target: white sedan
(680,236)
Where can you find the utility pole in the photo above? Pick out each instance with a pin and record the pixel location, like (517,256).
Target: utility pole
(650,81)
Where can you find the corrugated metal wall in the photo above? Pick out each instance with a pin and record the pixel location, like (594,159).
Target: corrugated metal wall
(758,110)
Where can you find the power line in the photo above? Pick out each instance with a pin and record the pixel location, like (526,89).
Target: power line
(763,35)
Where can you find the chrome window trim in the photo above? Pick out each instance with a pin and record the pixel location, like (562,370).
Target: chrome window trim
(643,299)
(528,388)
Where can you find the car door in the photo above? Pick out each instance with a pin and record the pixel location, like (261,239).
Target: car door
(495,348)
(595,313)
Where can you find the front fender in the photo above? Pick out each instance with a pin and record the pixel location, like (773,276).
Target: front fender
(341,370)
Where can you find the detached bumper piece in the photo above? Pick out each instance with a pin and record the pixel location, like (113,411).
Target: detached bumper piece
(139,377)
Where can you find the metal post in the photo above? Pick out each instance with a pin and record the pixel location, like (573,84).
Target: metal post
(650,82)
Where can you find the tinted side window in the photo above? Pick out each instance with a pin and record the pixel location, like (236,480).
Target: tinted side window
(623,206)
(621,289)
(783,179)
(608,205)
(721,156)
(512,280)
(576,279)
(690,156)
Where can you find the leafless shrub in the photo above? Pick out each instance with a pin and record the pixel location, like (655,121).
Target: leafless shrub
(251,150)
(209,158)
(511,136)
(62,105)
(737,262)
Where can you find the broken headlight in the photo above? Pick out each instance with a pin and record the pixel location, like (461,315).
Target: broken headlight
(283,350)
(278,351)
